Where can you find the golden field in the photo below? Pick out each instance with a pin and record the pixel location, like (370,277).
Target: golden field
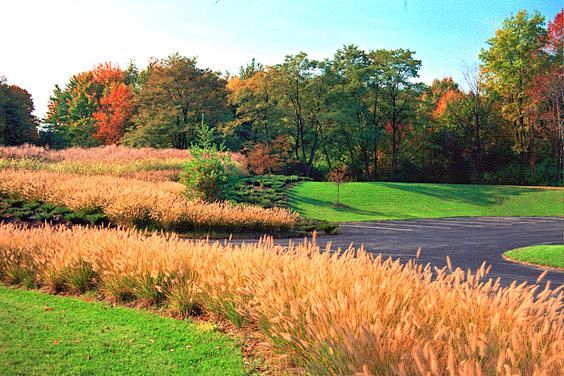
(134,202)
(329,313)
(145,163)
(108,154)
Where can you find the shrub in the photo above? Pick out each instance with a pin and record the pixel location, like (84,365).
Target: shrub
(210,174)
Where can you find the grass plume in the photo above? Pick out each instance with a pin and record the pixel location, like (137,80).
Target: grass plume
(328,312)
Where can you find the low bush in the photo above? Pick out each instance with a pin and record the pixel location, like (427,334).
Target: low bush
(210,174)
(267,191)
(35,211)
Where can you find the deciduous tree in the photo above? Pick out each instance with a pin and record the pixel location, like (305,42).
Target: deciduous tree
(509,66)
(169,105)
(17,123)
(114,113)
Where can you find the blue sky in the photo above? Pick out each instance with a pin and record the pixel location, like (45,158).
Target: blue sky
(45,42)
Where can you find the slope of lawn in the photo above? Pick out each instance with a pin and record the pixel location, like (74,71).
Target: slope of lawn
(544,255)
(383,200)
(44,334)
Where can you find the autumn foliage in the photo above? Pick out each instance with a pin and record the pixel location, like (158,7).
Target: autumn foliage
(261,159)
(451,96)
(94,107)
(113,114)
(106,74)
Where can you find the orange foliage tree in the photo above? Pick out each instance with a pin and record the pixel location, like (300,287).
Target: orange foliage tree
(448,97)
(261,159)
(93,107)
(107,73)
(114,113)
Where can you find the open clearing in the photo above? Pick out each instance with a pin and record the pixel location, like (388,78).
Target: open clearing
(44,334)
(385,201)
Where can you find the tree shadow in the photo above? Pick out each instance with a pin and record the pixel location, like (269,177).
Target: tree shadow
(482,195)
(297,200)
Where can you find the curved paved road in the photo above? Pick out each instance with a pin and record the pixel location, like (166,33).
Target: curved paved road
(467,240)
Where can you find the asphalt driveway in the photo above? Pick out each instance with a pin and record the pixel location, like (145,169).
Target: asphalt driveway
(467,240)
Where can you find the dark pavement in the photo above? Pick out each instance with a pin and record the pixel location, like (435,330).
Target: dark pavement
(467,240)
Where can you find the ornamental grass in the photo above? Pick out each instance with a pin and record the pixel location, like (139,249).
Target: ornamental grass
(134,202)
(331,313)
(145,163)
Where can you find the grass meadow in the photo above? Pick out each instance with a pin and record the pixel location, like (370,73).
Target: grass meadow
(387,200)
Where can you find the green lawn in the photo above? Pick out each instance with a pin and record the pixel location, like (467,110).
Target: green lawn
(44,334)
(545,255)
(382,200)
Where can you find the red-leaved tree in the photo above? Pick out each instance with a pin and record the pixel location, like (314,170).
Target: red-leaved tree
(114,113)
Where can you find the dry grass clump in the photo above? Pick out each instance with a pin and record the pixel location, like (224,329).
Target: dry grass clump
(134,202)
(331,313)
(110,153)
(163,164)
(145,169)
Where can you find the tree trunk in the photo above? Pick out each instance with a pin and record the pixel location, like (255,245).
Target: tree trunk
(394,144)
(477,143)
(532,152)
(338,192)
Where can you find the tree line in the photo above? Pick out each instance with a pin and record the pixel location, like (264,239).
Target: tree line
(359,111)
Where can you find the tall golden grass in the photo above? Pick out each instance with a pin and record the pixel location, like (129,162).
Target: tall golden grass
(145,163)
(330,313)
(146,169)
(111,153)
(133,202)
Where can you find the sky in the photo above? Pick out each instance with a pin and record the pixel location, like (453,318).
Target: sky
(43,43)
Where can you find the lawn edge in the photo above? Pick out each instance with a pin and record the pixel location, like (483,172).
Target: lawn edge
(530,264)
(255,359)
(457,216)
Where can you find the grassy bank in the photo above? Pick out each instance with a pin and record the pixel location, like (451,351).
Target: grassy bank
(382,200)
(43,334)
(543,255)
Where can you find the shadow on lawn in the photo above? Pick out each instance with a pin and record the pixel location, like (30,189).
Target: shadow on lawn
(483,195)
(297,200)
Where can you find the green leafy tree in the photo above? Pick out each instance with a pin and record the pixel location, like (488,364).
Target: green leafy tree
(252,95)
(400,95)
(301,89)
(359,112)
(170,102)
(17,123)
(509,66)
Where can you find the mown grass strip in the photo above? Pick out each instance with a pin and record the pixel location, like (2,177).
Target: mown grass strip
(43,334)
(387,200)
